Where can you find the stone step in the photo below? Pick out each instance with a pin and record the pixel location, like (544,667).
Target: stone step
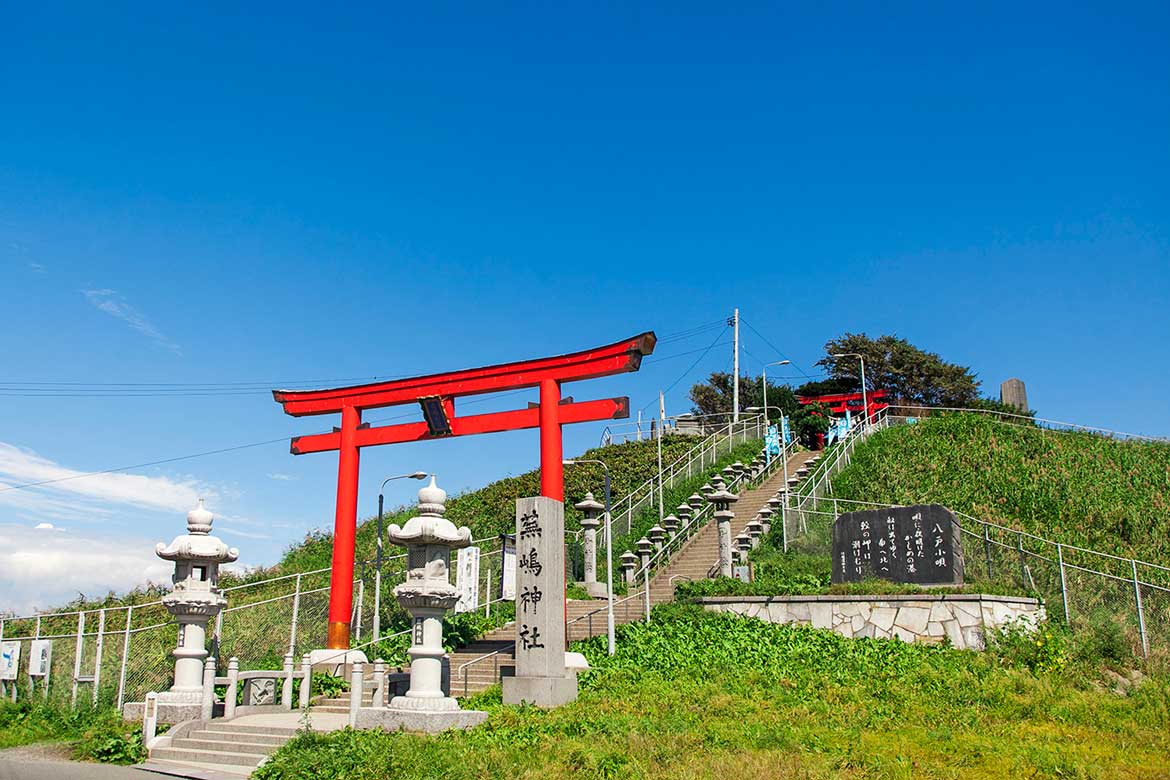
(248,729)
(222,757)
(245,736)
(216,745)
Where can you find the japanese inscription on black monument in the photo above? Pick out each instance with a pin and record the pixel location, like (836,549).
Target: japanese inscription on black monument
(917,544)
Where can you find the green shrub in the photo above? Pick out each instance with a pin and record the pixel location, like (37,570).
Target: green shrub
(1040,649)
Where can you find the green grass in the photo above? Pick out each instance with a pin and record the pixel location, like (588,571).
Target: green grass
(697,695)
(1076,488)
(92,734)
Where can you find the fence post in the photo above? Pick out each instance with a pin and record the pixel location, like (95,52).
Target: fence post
(207,708)
(1137,594)
(1063,584)
(987,549)
(355,692)
(487,602)
(306,680)
(77,657)
(361,602)
(97,663)
(647,594)
(1023,564)
(229,698)
(125,659)
(286,687)
(292,631)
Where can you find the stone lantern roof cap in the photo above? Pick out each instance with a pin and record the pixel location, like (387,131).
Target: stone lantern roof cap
(629,558)
(589,504)
(429,526)
(197,545)
(656,531)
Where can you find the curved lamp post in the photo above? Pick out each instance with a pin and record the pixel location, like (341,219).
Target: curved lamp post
(378,564)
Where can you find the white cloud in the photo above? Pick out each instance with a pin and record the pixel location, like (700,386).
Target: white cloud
(19,466)
(42,571)
(112,303)
(281,477)
(44,527)
(37,268)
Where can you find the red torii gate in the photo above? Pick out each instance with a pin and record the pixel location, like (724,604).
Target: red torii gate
(436,394)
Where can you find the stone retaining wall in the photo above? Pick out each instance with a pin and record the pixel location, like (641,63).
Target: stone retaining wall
(961,617)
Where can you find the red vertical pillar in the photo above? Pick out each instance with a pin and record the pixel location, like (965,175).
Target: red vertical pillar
(344,530)
(552,480)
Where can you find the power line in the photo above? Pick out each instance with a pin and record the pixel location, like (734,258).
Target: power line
(690,368)
(778,351)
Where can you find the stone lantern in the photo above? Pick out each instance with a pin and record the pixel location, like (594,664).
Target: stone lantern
(645,550)
(754,530)
(670,523)
(775,501)
(683,511)
(427,594)
(657,535)
(742,545)
(723,499)
(766,519)
(629,562)
(591,509)
(695,502)
(707,490)
(729,474)
(740,470)
(195,600)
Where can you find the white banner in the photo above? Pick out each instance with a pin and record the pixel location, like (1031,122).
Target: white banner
(467,579)
(9,660)
(40,657)
(508,590)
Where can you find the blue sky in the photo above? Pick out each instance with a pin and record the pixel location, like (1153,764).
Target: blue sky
(213,196)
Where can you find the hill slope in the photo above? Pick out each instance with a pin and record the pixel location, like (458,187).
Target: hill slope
(1076,488)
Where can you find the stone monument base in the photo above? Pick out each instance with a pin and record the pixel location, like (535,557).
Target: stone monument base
(336,662)
(597,590)
(544,692)
(428,721)
(171,713)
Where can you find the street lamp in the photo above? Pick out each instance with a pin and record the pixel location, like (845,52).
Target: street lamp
(783,444)
(608,551)
(864,397)
(765,373)
(378,564)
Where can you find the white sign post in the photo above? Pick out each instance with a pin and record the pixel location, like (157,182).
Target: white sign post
(508,589)
(467,579)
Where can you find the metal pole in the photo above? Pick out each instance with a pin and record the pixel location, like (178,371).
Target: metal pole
(764,373)
(125,656)
(609,567)
(378,577)
(77,657)
(647,593)
(1137,594)
(735,376)
(864,396)
(661,421)
(97,663)
(488,587)
(292,631)
(1063,584)
(1023,565)
(987,549)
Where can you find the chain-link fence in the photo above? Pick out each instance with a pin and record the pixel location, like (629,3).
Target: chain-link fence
(1125,600)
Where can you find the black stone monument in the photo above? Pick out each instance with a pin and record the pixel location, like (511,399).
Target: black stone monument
(917,544)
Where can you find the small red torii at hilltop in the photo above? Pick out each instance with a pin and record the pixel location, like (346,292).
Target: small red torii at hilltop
(436,394)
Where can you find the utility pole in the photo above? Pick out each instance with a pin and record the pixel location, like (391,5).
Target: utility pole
(661,425)
(735,370)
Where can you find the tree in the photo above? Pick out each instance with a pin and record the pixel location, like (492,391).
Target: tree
(909,375)
(714,397)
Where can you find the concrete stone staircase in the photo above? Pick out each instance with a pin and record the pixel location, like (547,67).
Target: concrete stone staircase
(219,749)
(694,561)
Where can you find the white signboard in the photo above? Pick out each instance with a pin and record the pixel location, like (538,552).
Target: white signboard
(40,657)
(467,579)
(9,660)
(509,584)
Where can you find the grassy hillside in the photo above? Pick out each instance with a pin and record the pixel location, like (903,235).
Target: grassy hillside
(491,510)
(1076,488)
(704,695)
